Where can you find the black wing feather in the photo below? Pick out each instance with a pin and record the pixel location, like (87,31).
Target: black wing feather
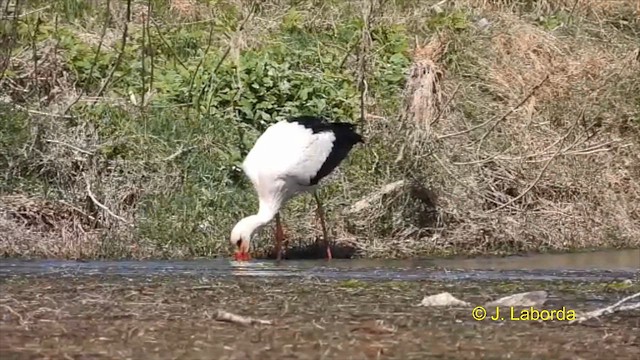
(346,138)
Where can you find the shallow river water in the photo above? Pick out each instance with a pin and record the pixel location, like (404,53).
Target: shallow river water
(598,265)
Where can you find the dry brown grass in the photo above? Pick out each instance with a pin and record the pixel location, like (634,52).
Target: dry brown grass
(544,164)
(578,7)
(40,227)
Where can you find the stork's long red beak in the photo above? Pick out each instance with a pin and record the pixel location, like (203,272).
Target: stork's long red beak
(242,256)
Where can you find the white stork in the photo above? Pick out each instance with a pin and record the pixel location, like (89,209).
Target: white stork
(290,158)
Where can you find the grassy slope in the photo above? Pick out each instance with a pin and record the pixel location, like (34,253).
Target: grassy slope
(154,128)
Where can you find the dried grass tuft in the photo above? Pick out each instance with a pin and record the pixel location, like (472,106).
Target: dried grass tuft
(41,71)
(40,227)
(183,8)
(423,93)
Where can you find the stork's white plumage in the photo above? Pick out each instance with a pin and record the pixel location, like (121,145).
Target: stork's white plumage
(290,158)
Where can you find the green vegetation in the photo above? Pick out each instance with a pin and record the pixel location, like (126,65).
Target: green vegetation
(123,125)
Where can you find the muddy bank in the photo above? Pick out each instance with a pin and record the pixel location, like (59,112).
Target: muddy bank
(164,317)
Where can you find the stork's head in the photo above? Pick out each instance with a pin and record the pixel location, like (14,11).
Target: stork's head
(241,238)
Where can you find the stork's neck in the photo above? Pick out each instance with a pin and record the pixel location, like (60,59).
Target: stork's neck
(267,211)
(252,223)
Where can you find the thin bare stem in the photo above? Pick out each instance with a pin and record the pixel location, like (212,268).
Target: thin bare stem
(99,204)
(166,44)
(540,174)
(95,58)
(125,32)
(510,111)
(73,147)
(446,104)
(240,28)
(204,55)
(365,44)
(501,118)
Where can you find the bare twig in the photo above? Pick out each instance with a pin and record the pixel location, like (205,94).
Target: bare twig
(376,196)
(173,52)
(95,57)
(9,309)
(619,306)
(446,104)
(204,287)
(209,20)
(457,179)
(35,51)
(464,131)
(9,38)
(373,327)
(573,8)
(34,11)
(37,112)
(226,52)
(587,151)
(501,118)
(222,315)
(510,111)
(99,204)
(125,32)
(606,146)
(69,146)
(349,51)
(143,52)
(204,55)
(542,171)
(179,152)
(365,44)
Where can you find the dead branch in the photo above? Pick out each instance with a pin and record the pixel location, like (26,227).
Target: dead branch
(192,81)
(103,33)
(457,179)
(167,45)
(179,152)
(446,104)
(532,185)
(602,147)
(619,306)
(9,309)
(365,44)
(116,64)
(222,315)
(566,151)
(372,327)
(464,131)
(73,147)
(590,150)
(493,157)
(181,24)
(34,11)
(99,204)
(36,112)
(510,111)
(504,116)
(252,10)
(560,143)
(369,200)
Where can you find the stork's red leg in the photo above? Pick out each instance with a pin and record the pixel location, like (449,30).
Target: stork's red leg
(320,213)
(279,238)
